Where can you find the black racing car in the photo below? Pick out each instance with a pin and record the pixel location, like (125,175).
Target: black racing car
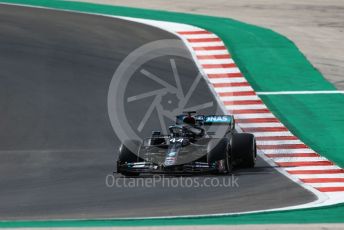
(195,144)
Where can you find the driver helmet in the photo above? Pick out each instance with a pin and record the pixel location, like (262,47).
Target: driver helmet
(189,120)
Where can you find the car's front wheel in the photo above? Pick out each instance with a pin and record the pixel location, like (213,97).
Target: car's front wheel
(127,154)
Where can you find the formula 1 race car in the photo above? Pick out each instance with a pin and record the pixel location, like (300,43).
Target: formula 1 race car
(190,148)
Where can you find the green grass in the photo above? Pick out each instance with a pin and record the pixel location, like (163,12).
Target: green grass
(333,214)
(317,119)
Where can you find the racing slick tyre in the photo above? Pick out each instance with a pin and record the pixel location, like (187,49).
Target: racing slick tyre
(244,149)
(126,155)
(217,151)
(229,162)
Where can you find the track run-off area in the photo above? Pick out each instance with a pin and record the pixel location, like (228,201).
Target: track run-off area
(308,173)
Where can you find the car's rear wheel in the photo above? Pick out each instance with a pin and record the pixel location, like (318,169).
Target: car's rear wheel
(127,154)
(229,162)
(244,149)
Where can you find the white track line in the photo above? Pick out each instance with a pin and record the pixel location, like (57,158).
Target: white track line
(228,80)
(256,115)
(299,159)
(239,98)
(327,167)
(206,44)
(234,107)
(279,142)
(221,70)
(197,36)
(217,61)
(302,92)
(312,176)
(280,151)
(322,185)
(210,52)
(260,125)
(232,89)
(272,134)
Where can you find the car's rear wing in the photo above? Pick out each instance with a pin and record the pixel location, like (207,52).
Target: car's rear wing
(219,120)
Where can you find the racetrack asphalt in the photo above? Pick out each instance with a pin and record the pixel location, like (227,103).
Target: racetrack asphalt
(56,141)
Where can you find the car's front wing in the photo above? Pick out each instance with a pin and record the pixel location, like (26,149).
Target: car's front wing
(149,167)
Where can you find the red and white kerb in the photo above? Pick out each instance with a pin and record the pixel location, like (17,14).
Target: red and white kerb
(273,139)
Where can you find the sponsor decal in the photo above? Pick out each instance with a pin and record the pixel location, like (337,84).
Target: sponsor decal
(170,160)
(218,119)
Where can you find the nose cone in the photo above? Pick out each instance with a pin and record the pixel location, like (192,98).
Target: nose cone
(171,157)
